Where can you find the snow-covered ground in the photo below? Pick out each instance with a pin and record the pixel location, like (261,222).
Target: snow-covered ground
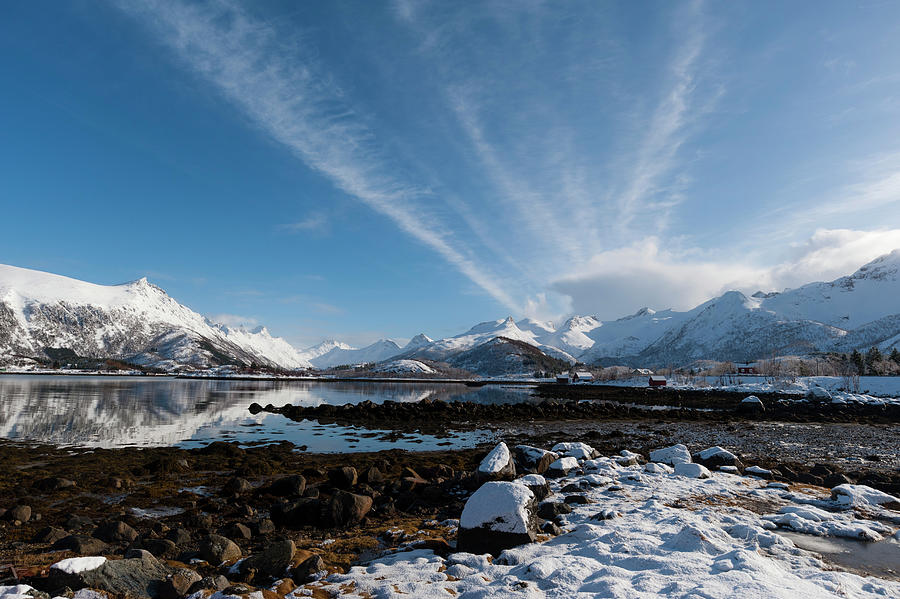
(872,389)
(649,532)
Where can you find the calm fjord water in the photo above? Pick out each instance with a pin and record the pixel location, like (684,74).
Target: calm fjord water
(107,411)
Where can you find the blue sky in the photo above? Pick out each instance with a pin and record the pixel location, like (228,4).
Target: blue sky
(361,170)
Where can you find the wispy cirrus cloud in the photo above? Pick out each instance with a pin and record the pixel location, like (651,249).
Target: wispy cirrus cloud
(280,86)
(316,222)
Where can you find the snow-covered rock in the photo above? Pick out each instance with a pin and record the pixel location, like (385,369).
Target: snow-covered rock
(537,484)
(498,464)
(77,565)
(577,450)
(499,515)
(691,470)
(533,459)
(562,467)
(758,472)
(716,457)
(861,495)
(676,454)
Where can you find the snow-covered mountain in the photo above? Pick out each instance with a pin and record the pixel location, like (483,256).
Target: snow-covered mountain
(136,321)
(379,351)
(852,312)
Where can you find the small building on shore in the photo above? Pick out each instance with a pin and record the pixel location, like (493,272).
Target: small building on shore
(657,381)
(582,377)
(562,379)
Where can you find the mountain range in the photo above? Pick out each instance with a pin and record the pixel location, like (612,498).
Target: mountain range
(139,323)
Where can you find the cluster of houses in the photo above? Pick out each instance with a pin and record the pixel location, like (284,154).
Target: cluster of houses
(583,376)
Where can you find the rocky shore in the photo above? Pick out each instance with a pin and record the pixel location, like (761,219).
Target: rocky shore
(173,522)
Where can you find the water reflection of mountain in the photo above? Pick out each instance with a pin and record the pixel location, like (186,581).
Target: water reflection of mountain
(117,411)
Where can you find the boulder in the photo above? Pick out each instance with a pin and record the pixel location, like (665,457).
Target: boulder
(691,470)
(236,530)
(237,486)
(179,536)
(299,513)
(81,544)
(562,467)
(343,478)
(537,484)
(533,459)
(577,450)
(676,454)
(346,508)
(751,405)
(498,516)
(50,535)
(763,473)
(273,561)
(20,513)
(177,584)
(53,483)
(715,457)
(161,548)
(290,486)
(138,575)
(498,464)
(115,531)
(372,476)
(550,510)
(216,549)
(77,522)
(305,571)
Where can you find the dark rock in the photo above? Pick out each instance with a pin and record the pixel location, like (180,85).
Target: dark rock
(288,486)
(571,488)
(810,479)
(20,513)
(138,575)
(820,470)
(537,484)
(306,570)
(76,522)
(160,548)
(50,535)
(237,486)
(216,549)
(551,528)
(53,483)
(836,479)
(115,532)
(605,515)
(346,508)
(273,561)
(372,476)
(549,510)
(311,492)
(577,500)
(215,583)
(265,526)
(533,459)
(81,545)
(177,584)
(295,514)
(343,478)
(179,536)
(236,530)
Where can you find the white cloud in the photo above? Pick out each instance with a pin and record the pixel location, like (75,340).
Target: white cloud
(316,222)
(618,282)
(284,91)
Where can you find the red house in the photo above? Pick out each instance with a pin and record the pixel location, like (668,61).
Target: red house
(657,381)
